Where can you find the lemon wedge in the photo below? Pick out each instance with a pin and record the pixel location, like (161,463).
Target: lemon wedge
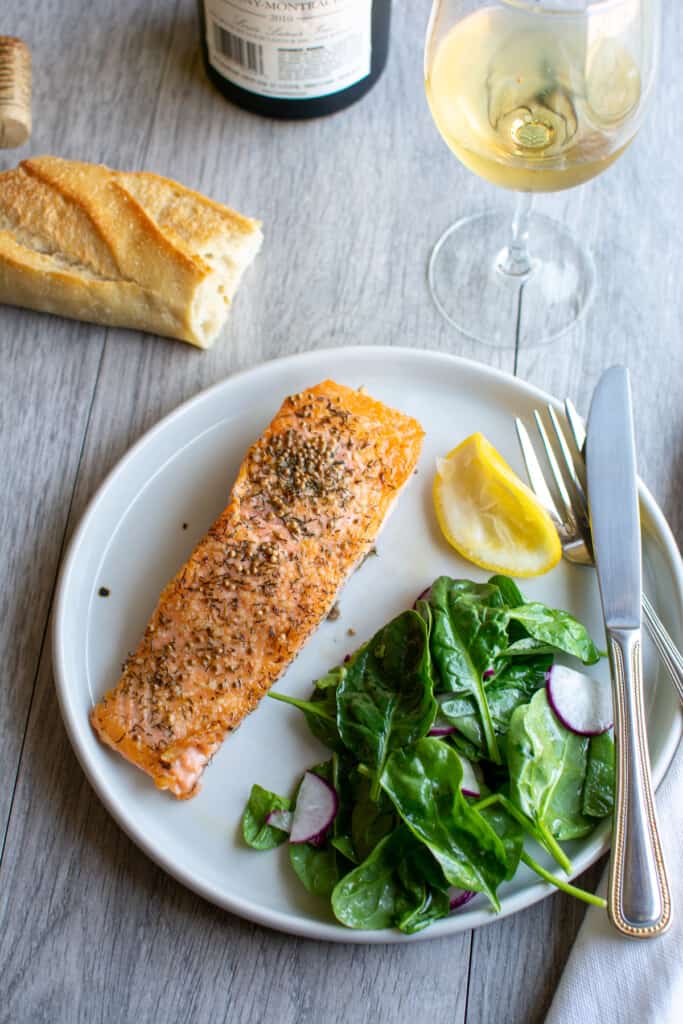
(489,516)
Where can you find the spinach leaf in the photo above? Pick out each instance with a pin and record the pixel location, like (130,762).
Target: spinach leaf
(344,845)
(464,746)
(468,636)
(547,765)
(373,895)
(511,824)
(403,831)
(526,646)
(342,775)
(557,629)
(468,630)
(509,591)
(385,698)
(254,829)
(598,790)
(320,713)
(395,886)
(316,867)
(433,905)
(321,710)
(330,681)
(425,612)
(423,782)
(514,684)
(559,883)
(425,881)
(482,593)
(371,819)
(342,778)
(513,598)
(325,769)
(463,713)
(527,825)
(509,831)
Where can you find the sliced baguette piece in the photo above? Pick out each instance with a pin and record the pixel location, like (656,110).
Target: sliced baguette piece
(125,249)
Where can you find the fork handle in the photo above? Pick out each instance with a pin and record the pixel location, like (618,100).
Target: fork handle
(666,648)
(639,901)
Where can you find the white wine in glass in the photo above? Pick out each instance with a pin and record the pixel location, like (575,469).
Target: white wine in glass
(533,97)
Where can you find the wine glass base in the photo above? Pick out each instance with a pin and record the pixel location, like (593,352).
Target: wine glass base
(503,310)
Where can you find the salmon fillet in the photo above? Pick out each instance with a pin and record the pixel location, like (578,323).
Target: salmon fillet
(308,502)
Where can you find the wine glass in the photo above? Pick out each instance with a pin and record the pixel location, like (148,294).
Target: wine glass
(534,97)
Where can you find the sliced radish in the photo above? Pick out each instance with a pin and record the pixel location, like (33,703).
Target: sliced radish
(470,783)
(582,704)
(280,819)
(441,727)
(424,596)
(316,806)
(458,897)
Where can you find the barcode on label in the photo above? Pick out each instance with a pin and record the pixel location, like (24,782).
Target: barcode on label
(240,51)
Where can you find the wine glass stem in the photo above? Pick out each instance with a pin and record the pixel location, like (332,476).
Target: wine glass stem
(514,259)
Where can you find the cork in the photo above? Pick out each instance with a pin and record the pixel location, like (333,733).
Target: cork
(15,92)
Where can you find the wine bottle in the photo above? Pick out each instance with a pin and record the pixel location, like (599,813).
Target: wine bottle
(294,58)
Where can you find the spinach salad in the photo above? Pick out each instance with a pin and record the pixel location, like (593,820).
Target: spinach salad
(445,755)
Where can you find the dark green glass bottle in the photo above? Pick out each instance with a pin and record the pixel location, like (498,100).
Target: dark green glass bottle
(294,58)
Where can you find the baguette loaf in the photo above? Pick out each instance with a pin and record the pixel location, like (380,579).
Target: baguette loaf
(130,250)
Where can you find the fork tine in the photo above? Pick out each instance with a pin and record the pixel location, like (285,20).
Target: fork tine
(569,463)
(575,424)
(578,435)
(555,471)
(535,473)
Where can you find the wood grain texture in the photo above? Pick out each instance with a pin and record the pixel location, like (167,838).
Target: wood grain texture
(50,366)
(90,930)
(516,963)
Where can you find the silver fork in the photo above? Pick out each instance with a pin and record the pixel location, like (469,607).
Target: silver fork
(568,509)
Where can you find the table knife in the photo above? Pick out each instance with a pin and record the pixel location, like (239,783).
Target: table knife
(639,901)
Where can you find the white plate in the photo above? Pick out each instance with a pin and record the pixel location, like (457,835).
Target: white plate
(132,540)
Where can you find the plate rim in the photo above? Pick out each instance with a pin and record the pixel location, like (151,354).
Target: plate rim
(279,920)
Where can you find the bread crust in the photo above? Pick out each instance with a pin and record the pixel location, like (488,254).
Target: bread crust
(124,249)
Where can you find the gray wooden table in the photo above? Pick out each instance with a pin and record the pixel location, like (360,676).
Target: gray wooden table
(90,929)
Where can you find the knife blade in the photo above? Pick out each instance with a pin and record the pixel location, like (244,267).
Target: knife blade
(639,901)
(613,498)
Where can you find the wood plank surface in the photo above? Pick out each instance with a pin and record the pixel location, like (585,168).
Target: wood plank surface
(50,365)
(90,929)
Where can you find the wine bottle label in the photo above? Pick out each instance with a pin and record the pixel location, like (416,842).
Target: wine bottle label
(290,49)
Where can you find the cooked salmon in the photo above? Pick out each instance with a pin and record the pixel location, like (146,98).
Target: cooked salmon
(308,502)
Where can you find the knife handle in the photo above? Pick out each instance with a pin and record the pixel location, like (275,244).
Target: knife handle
(639,900)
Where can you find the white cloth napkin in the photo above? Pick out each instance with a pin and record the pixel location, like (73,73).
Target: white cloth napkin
(610,979)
